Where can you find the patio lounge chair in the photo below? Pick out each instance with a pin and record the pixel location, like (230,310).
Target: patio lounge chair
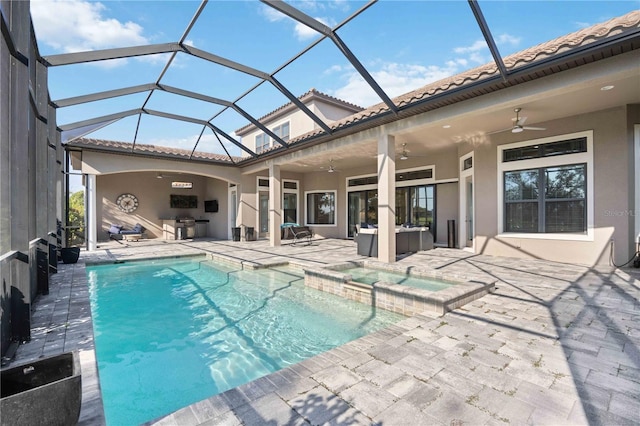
(116,232)
(301,233)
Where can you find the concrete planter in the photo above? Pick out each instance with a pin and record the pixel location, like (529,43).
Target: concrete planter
(44,392)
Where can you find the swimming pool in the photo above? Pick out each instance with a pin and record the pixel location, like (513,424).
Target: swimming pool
(170,333)
(370,276)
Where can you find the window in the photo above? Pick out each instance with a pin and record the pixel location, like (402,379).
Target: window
(546,188)
(467,163)
(401,176)
(550,149)
(290,201)
(367,180)
(548,199)
(282,131)
(414,175)
(321,208)
(415,205)
(262,143)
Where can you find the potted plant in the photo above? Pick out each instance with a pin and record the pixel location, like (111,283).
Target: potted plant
(69,254)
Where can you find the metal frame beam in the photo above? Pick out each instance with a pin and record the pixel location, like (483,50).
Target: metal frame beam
(198,121)
(299,104)
(174,48)
(217,101)
(484,27)
(61,103)
(318,26)
(107,54)
(99,120)
(123,114)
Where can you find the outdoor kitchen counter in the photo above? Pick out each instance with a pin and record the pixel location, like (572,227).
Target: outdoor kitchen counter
(174,228)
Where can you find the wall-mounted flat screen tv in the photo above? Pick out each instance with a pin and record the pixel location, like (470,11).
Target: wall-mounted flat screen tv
(184,201)
(211,206)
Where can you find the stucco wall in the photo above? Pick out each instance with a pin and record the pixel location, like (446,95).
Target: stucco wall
(218,222)
(299,122)
(153,196)
(446,209)
(330,112)
(610,193)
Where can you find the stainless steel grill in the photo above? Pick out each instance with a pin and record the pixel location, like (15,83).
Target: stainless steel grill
(189,226)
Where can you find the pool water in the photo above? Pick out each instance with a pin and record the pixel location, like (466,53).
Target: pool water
(171,333)
(371,276)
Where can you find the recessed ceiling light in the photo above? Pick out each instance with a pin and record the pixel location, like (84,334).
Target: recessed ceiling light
(605,88)
(446,126)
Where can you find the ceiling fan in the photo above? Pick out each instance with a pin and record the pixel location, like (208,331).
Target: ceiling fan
(518,124)
(404,155)
(331,167)
(164,175)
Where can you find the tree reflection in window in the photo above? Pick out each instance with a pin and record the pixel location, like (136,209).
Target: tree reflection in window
(559,207)
(321,208)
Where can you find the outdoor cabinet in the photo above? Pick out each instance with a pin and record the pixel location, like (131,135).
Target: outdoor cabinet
(408,240)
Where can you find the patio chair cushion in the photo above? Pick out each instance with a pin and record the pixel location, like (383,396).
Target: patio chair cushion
(137,229)
(115,229)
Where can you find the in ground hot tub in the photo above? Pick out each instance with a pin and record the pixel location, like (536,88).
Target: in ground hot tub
(407,291)
(44,392)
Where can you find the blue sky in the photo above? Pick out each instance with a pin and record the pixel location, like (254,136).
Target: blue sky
(403,44)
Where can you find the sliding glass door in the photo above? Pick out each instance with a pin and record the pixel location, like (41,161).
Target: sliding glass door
(415,206)
(363,208)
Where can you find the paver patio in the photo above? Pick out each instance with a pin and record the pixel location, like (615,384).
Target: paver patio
(555,344)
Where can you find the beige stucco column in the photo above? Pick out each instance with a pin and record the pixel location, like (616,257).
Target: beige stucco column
(386,198)
(275,205)
(90,212)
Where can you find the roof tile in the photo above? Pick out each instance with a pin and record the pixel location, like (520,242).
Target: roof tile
(128,148)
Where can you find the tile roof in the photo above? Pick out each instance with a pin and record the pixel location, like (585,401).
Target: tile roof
(579,39)
(128,148)
(311,94)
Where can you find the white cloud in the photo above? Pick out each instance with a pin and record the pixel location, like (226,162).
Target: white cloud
(509,39)
(333,69)
(478,51)
(78,25)
(303,32)
(477,46)
(582,25)
(314,5)
(271,14)
(394,78)
(479,58)
(399,78)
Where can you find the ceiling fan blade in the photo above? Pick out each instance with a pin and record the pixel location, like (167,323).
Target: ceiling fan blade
(534,128)
(521,121)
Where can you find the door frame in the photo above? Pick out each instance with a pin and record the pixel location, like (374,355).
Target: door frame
(233,207)
(465,176)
